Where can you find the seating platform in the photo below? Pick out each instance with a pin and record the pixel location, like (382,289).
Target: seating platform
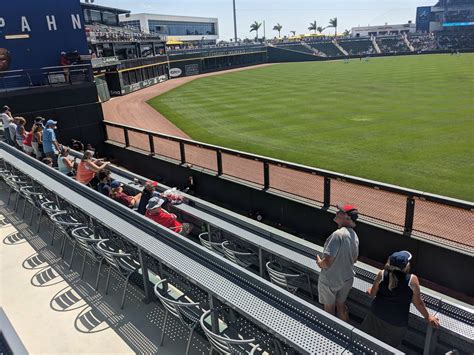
(279,321)
(272,244)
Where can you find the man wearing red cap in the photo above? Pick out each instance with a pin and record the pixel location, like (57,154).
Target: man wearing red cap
(341,251)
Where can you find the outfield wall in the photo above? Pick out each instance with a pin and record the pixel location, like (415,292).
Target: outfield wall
(250,184)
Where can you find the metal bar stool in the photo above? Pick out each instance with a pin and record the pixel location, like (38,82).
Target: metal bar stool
(50,207)
(120,262)
(87,240)
(65,222)
(283,278)
(222,343)
(239,255)
(188,313)
(212,242)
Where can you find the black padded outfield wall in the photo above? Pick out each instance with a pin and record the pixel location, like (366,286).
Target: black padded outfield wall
(136,74)
(193,64)
(75,107)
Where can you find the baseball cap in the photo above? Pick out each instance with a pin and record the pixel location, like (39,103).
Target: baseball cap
(350,210)
(51,123)
(400,259)
(62,53)
(115,184)
(154,203)
(39,119)
(151,183)
(5,108)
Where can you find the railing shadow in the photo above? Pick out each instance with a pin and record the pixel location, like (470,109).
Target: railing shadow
(138,325)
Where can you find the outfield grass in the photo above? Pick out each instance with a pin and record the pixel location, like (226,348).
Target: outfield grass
(407,121)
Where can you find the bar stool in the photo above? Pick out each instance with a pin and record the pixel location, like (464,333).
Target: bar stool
(225,343)
(238,254)
(285,278)
(86,239)
(120,262)
(212,242)
(65,222)
(188,313)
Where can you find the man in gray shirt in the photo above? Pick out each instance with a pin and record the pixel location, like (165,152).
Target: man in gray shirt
(341,251)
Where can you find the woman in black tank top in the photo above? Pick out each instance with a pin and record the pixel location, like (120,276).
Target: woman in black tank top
(394,289)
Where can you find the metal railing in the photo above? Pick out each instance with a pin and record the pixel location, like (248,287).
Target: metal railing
(437,219)
(49,76)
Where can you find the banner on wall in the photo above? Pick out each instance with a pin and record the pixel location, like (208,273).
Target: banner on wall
(34,33)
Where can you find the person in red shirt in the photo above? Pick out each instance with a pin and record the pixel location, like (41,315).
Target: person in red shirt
(163,217)
(118,195)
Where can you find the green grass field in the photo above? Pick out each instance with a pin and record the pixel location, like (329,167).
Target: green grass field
(407,121)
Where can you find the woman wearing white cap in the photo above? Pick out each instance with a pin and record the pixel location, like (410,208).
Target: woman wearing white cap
(395,289)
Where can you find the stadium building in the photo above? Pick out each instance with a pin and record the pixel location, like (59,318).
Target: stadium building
(176,29)
(367,31)
(446,15)
(85,273)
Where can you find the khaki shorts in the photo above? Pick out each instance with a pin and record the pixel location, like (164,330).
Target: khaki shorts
(332,295)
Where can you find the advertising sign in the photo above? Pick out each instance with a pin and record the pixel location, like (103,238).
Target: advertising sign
(33,33)
(423,19)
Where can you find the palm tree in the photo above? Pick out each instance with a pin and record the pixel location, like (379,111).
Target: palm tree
(313,26)
(346,33)
(333,23)
(320,29)
(278,28)
(293,32)
(255,27)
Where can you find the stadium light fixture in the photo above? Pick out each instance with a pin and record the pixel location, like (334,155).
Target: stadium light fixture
(235,22)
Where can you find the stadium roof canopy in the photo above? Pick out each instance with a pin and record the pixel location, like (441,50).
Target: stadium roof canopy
(104,8)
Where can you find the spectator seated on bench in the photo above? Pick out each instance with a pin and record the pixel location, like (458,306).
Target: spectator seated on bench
(105,180)
(148,192)
(119,195)
(87,169)
(65,164)
(163,217)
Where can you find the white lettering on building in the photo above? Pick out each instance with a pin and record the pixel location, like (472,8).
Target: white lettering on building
(25,26)
(76,21)
(51,20)
(2,22)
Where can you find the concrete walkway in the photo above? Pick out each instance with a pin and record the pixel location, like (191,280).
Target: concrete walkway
(54,312)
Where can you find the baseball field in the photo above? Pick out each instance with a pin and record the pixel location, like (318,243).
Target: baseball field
(407,120)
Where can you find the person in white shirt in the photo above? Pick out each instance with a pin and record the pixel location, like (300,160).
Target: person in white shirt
(6,117)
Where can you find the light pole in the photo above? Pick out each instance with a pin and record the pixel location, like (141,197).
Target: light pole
(235,23)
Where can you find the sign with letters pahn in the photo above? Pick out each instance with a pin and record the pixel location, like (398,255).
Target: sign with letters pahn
(33,33)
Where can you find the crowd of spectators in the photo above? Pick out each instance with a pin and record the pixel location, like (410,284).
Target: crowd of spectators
(41,143)
(103,33)
(456,42)
(424,42)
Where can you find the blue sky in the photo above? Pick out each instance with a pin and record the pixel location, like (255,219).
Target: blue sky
(293,15)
